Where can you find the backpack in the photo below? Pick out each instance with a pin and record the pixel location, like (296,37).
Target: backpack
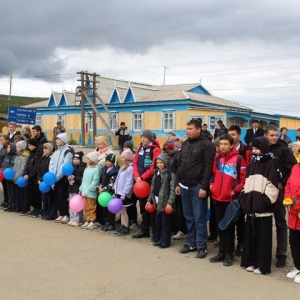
(70,150)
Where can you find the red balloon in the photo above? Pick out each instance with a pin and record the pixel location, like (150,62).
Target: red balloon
(1,175)
(150,208)
(141,189)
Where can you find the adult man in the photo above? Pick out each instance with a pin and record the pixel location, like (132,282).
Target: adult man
(206,132)
(196,160)
(124,135)
(285,161)
(57,130)
(220,130)
(12,131)
(253,132)
(298,135)
(39,135)
(246,153)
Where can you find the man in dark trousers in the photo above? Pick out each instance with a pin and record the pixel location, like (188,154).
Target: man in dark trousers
(192,183)
(253,132)
(124,135)
(285,161)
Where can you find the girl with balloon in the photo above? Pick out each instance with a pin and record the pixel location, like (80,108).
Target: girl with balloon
(123,189)
(75,174)
(20,182)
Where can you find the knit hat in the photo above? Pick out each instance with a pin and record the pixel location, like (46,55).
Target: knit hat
(110,157)
(33,142)
(93,156)
(129,145)
(168,145)
(147,134)
(63,137)
(78,155)
(49,146)
(22,145)
(127,154)
(216,142)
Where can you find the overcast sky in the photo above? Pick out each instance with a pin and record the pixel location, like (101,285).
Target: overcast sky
(244,51)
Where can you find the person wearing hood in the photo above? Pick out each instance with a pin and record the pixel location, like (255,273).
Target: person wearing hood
(8,162)
(229,174)
(258,203)
(63,155)
(285,160)
(162,195)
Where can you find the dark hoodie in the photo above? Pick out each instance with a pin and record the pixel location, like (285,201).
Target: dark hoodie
(33,161)
(261,186)
(284,158)
(9,158)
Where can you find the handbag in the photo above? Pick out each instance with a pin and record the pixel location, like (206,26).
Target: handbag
(232,213)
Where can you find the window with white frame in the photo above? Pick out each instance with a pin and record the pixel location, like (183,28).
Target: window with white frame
(111,124)
(198,117)
(89,123)
(168,120)
(212,121)
(137,121)
(61,118)
(38,120)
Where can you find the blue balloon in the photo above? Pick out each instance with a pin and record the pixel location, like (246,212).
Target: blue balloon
(49,178)
(9,174)
(44,188)
(67,169)
(21,182)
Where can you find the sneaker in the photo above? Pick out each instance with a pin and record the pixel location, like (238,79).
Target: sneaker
(109,228)
(59,219)
(78,224)
(292,274)
(179,236)
(3,205)
(70,223)
(30,213)
(201,252)
(257,271)
(65,220)
(23,214)
(228,261)
(85,225)
(91,226)
(250,269)
(187,248)
(297,278)
(119,230)
(97,224)
(239,250)
(124,232)
(212,238)
(218,258)
(281,261)
(34,214)
(133,226)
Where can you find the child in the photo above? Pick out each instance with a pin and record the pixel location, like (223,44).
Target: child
(162,194)
(123,189)
(73,188)
(229,171)
(49,211)
(8,162)
(33,195)
(257,202)
(61,156)
(292,201)
(88,189)
(19,168)
(4,140)
(107,180)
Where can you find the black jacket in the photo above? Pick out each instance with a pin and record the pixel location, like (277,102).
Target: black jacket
(31,168)
(284,158)
(124,135)
(78,174)
(43,166)
(107,180)
(196,162)
(250,135)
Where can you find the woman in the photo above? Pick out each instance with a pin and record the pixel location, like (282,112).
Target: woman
(4,140)
(26,131)
(103,148)
(283,135)
(296,147)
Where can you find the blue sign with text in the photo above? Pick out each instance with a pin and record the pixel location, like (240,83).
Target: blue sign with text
(21,115)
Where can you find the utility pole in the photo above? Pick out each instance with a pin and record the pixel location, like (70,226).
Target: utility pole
(82,109)
(94,101)
(10,86)
(165,68)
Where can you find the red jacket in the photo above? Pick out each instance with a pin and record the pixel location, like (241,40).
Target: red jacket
(292,190)
(226,177)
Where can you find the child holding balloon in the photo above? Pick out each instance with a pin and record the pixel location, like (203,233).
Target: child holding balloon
(19,168)
(162,194)
(88,189)
(74,184)
(123,189)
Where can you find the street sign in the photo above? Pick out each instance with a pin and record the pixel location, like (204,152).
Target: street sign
(21,115)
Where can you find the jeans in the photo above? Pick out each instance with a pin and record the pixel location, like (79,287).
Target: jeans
(194,210)
(120,149)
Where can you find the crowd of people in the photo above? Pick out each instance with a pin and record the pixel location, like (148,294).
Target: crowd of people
(261,178)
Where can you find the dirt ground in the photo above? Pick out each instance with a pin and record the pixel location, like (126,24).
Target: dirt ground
(44,260)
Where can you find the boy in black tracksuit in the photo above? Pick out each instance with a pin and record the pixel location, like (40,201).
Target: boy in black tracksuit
(33,195)
(108,176)
(49,211)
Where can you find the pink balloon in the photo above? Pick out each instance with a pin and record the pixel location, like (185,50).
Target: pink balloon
(115,205)
(76,203)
